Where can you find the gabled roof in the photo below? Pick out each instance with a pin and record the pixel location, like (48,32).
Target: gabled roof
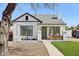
(27,14)
(48,19)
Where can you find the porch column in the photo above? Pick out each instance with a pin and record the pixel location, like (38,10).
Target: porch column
(61,30)
(18,33)
(47,31)
(39,33)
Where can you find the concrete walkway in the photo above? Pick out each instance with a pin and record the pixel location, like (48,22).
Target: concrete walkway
(73,39)
(53,51)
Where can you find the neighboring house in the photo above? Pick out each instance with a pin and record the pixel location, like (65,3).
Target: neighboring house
(38,27)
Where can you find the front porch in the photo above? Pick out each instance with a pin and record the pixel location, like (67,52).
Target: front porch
(51,32)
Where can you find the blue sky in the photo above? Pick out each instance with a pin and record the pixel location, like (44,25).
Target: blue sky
(68,12)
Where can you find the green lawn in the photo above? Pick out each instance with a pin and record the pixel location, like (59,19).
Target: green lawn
(68,48)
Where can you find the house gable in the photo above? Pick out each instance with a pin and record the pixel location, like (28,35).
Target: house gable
(29,17)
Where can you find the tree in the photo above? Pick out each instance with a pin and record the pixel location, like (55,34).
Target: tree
(66,28)
(37,6)
(5,24)
(71,28)
(77,26)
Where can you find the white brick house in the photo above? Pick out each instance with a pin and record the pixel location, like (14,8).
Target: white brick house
(37,27)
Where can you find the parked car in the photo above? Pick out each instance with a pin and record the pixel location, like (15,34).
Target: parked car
(74,33)
(77,34)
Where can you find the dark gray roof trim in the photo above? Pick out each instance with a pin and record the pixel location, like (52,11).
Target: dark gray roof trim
(27,21)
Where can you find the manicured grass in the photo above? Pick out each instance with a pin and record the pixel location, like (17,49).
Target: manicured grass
(68,48)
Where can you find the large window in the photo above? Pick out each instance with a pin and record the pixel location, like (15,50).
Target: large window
(26,30)
(54,30)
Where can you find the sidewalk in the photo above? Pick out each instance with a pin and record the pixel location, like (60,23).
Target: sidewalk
(73,39)
(53,51)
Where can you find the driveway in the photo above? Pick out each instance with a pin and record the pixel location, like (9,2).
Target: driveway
(24,48)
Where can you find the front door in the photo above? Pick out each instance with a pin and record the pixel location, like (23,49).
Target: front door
(44,32)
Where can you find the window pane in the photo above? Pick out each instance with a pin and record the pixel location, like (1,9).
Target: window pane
(26,30)
(23,30)
(54,30)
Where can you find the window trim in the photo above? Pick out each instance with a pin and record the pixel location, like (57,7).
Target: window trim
(26,30)
(54,30)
